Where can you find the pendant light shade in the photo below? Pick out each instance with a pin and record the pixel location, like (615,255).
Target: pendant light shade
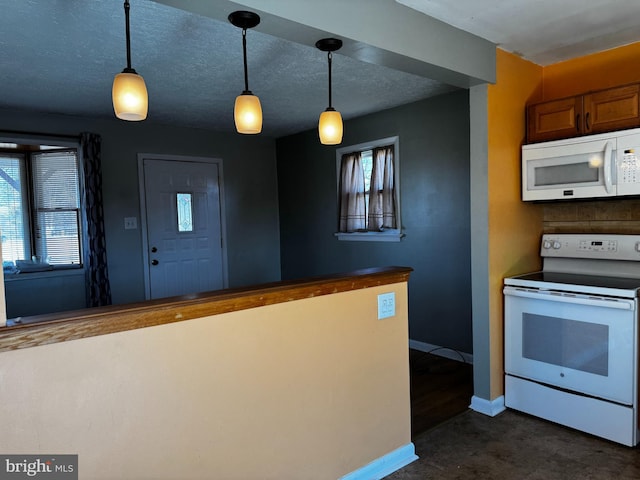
(248,111)
(129,92)
(248,114)
(330,123)
(330,127)
(130,100)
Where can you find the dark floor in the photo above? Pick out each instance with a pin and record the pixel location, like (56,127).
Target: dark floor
(440,389)
(454,442)
(512,445)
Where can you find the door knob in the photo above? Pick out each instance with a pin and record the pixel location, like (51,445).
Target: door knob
(154,249)
(154,262)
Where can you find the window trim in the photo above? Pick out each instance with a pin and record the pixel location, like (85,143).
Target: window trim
(389,235)
(3,302)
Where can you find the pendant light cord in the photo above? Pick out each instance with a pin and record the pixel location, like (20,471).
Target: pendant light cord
(329,58)
(244,53)
(128,34)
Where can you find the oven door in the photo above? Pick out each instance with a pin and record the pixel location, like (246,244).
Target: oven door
(576,342)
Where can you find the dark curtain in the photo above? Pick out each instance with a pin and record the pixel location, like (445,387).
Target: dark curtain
(95,248)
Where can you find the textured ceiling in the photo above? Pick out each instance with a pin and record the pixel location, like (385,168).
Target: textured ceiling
(61,56)
(543,31)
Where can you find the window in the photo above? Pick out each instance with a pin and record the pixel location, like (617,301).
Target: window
(369,191)
(185,214)
(39,208)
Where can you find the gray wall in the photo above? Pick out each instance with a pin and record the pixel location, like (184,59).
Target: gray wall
(434,179)
(250,191)
(46,293)
(479,173)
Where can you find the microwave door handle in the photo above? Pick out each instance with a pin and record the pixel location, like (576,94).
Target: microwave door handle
(608,156)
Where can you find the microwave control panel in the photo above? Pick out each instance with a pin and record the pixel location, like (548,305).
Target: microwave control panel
(627,171)
(629,166)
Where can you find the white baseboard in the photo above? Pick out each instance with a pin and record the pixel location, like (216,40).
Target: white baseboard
(385,465)
(488,407)
(441,351)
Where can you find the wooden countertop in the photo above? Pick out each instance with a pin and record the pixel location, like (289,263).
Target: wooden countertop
(65,326)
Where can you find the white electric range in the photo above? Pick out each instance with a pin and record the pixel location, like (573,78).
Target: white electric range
(571,335)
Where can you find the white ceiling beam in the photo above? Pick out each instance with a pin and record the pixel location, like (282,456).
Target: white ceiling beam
(381,32)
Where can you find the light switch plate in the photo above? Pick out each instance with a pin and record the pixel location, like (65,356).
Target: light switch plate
(130,223)
(386,305)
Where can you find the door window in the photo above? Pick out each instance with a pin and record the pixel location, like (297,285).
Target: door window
(185,212)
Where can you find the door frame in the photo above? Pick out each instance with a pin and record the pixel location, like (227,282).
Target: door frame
(143,212)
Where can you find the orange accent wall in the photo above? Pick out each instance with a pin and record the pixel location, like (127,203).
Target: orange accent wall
(308,389)
(514,227)
(609,68)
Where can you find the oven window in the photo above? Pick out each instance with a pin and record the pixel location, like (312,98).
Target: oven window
(566,343)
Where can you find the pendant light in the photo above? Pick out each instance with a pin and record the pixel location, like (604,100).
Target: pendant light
(129,92)
(330,124)
(247,112)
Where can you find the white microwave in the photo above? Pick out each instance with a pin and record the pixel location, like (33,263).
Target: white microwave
(594,166)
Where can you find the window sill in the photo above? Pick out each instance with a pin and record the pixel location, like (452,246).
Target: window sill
(62,272)
(388,236)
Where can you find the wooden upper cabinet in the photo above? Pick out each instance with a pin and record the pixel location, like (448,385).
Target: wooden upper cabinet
(612,109)
(555,119)
(596,112)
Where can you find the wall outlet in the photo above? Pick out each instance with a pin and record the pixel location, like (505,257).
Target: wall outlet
(130,223)
(386,305)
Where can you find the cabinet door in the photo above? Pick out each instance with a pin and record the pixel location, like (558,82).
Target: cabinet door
(554,120)
(612,109)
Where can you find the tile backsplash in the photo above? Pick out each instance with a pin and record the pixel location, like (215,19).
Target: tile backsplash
(621,216)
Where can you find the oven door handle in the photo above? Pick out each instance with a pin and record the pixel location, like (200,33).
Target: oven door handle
(549,296)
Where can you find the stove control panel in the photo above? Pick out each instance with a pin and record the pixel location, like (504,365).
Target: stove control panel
(601,246)
(598,245)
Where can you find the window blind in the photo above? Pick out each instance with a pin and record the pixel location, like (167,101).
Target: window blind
(12,207)
(56,201)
